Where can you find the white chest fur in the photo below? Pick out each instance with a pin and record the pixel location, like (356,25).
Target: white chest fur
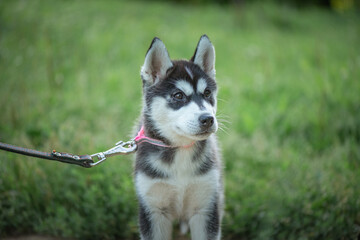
(184,193)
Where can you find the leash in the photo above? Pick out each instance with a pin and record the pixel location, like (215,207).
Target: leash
(88,161)
(82,160)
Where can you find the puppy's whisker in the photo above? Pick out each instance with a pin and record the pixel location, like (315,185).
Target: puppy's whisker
(222,100)
(224,120)
(224,130)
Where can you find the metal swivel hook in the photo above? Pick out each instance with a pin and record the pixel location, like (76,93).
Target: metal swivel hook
(121,148)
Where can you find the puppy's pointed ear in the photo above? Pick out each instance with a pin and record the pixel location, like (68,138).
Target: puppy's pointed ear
(204,56)
(157,62)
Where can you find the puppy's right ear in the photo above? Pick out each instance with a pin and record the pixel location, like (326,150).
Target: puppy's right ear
(157,62)
(204,56)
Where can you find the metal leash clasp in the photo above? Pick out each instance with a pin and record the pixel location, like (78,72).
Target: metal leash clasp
(121,148)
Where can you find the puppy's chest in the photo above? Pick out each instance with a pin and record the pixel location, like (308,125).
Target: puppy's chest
(183,192)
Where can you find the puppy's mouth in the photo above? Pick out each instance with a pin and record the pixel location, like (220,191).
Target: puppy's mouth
(196,135)
(205,133)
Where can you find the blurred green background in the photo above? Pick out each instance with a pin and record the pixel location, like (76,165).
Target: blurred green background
(289,81)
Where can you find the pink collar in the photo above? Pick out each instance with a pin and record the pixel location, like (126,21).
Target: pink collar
(141,137)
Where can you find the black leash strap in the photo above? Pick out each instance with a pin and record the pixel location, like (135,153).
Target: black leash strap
(81,160)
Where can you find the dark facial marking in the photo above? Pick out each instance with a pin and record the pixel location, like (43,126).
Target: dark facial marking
(199,100)
(167,87)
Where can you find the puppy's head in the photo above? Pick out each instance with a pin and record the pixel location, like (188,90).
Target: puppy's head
(180,96)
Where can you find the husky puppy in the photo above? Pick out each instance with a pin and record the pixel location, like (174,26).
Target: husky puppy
(181,178)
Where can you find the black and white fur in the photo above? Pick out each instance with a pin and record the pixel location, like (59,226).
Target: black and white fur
(179,183)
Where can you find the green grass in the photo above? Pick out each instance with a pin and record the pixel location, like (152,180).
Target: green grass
(290,97)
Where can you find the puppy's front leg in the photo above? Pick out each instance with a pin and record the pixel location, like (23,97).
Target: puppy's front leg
(154,225)
(206,225)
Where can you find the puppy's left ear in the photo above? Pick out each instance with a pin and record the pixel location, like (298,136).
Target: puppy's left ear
(204,56)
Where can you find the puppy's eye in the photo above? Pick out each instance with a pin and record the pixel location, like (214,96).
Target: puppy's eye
(207,93)
(179,95)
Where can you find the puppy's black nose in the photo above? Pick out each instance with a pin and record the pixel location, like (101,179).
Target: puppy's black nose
(206,120)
